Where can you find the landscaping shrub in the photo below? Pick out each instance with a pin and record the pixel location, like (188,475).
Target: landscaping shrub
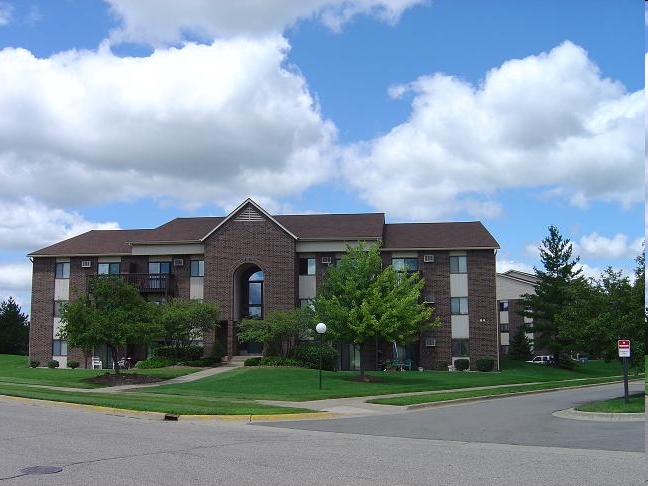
(52,364)
(485,364)
(187,353)
(146,364)
(202,362)
(217,352)
(255,361)
(441,366)
(73,364)
(462,364)
(307,355)
(278,361)
(34,363)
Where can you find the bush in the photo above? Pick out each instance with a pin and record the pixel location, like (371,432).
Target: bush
(187,353)
(485,364)
(217,352)
(441,366)
(150,363)
(52,364)
(278,361)
(34,363)
(462,364)
(307,355)
(202,362)
(73,364)
(255,361)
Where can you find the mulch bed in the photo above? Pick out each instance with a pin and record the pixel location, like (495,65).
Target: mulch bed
(111,379)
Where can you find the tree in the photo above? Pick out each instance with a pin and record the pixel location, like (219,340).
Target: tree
(520,345)
(616,310)
(359,301)
(183,320)
(559,287)
(14,328)
(114,314)
(280,331)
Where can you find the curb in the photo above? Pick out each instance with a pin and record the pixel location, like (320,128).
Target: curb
(574,414)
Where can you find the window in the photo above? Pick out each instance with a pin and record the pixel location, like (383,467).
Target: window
(63,270)
(503,305)
(58,307)
(197,268)
(504,350)
(458,264)
(459,306)
(306,266)
(59,347)
(108,268)
(159,267)
(460,347)
(504,327)
(255,295)
(409,265)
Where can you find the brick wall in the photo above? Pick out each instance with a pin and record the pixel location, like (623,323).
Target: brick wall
(240,243)
(42,310)
(484,332)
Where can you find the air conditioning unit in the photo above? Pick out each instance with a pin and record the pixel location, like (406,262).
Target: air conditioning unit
(178,262)
(428,299)
(428,258)
(430,342)
(86,264)
(327,260)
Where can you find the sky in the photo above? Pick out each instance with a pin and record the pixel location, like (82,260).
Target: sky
(129,113)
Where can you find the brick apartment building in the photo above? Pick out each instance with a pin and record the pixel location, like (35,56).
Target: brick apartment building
(251,263)
(511,286)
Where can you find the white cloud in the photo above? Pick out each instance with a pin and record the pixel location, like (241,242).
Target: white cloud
(504,265)
(168,21)
(548,122)
(204,123)
(6,13)
(595,246)
(15,276)
(29,224)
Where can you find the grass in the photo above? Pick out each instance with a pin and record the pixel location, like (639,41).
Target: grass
(236,391)
(15,369)
(637,404)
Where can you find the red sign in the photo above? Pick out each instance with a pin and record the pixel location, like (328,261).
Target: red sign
(623,343)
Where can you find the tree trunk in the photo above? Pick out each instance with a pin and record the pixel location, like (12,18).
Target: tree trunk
(113,353)
(362,363)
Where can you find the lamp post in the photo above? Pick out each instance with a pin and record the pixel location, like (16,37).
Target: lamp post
(321,329)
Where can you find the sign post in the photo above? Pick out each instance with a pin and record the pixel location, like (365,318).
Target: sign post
(623,346)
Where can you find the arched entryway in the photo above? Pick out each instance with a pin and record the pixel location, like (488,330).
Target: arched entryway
(248,301)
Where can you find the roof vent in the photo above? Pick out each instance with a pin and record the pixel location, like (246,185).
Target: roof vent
(249,214)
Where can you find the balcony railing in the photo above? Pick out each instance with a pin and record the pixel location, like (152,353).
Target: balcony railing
(146,283)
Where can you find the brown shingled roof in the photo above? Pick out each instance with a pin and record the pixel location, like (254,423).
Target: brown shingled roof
(438,235)
(334,226)
(182,229)
(95,242)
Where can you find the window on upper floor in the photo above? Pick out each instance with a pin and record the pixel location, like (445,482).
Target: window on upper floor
(159,267)
(409,265)
(459,306)
(503,305)
(63,270)
(459,264)
(306,266)
(197,268)
(504,327)
(108,268)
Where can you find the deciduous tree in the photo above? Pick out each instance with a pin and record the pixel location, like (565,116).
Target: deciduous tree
(279,332)
(183,320)
(114,314)
(359,301)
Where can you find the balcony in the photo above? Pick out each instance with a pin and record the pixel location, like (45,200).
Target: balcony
(146,283)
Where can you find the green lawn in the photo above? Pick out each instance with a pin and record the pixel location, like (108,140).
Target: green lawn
(15,369)
(235,392)
(637,404)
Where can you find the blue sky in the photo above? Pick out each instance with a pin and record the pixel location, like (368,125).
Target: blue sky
(128,113)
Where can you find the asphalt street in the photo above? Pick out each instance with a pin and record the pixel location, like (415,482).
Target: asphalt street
(97,448)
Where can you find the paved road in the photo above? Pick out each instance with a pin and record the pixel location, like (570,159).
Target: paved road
(524,420)
(95,448)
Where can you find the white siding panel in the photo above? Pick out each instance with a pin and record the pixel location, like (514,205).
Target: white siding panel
(62,289)
(505,338)
(307,288)
(504,317)
(196,288)
(460,327)
(458,285)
